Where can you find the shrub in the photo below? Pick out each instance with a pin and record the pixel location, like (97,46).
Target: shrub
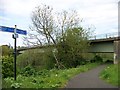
(7,66)
(44,72)
(49,59)
(72,46)
(97,58)
(16,85)
(36,58)
(106,57)
(6,50)
(28,71)
(53,78)
(30,57)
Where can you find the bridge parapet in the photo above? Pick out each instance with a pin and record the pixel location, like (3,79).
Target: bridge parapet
(105,36)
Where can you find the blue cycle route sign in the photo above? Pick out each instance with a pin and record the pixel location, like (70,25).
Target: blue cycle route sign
(15,36)
(11,30)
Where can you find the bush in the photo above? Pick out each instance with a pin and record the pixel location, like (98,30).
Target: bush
(30,57)
(53,78)
(72,47)
(28,71)
(6,50)
(106,57)
(16,85)
(7,66)
(49,59)
(97,58)
(44,72)
(36,58)
(69,58)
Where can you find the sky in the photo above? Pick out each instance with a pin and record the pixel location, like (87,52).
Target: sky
(102,15)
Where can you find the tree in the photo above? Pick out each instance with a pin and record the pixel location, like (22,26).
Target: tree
(42,25)
(71,51)
(67,20)
(6,50)
(47,29)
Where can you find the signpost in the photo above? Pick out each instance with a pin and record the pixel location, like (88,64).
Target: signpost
(11,30)
(14,36)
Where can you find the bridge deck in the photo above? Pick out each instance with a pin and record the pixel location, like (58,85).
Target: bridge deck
(94,39)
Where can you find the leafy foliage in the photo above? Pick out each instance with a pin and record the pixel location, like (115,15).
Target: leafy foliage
(41,59)
(6,50)
(72,46)
(7,66)
(16,85)
(107,57)
(62,31)
(53,78)
(49,59)
(28,71)
(30,57)
(110,74)
(97,58)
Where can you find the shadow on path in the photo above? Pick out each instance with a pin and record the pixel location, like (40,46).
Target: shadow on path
(89,79)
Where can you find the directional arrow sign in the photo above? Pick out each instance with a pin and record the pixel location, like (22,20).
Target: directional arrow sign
(11,30)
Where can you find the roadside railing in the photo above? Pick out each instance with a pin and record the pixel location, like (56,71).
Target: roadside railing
(105,36)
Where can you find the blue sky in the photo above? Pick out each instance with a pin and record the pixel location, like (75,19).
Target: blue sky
(101,14)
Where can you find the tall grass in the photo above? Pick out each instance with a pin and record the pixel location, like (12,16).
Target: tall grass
(110,74)
(53,78)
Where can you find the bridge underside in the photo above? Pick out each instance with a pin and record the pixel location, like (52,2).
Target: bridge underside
(102,47)
(107,47)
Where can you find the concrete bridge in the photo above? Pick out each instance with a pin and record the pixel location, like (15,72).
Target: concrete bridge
(111,45)
(106,43)
(103,43)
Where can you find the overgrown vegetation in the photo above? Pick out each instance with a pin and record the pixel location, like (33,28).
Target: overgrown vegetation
(7,66)
(110,74)
(46,60)
(6,50)
(6,61)
(53,78)
(97,58)
(72,47)
(62,30)
(106,57)
(64,54)
(37,59)
(70,51)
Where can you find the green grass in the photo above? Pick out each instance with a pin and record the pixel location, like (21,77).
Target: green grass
(110,74)
(49,79)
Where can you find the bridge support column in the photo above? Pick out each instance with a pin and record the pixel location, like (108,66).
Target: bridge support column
(116,51)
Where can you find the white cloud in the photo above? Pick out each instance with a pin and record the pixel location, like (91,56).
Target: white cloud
(103,15)
(17,7)
(2,18)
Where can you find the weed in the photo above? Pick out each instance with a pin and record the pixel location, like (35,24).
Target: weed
(110,74)
(45,78)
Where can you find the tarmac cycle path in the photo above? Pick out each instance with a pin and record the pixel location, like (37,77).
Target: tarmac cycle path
(89,79)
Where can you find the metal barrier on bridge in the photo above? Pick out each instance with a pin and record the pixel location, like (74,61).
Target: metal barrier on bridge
(105,36)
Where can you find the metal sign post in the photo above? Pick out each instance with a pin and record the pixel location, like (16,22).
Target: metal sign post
(15,36)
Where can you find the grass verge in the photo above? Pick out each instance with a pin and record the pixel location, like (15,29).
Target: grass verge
(110,74)
(49,79)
